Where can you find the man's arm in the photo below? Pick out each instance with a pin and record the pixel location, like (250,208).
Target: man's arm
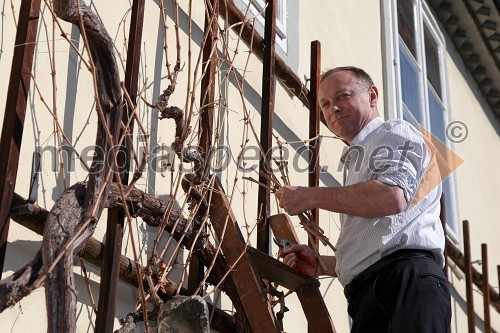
(368,199)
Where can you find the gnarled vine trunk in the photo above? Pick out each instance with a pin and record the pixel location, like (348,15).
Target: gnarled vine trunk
(62,223)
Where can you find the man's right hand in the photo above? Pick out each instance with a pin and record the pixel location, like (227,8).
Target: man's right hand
(291,258)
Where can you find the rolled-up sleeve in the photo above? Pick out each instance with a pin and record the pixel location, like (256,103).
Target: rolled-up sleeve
(399,160)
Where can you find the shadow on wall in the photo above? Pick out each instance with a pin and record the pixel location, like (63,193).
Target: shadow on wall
(22,252)
(126,295)
(494,121)
(459,303)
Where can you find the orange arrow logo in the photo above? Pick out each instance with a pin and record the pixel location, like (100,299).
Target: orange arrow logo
(443,161)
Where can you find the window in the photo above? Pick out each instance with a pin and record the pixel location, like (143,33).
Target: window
(255,8)
(416,78)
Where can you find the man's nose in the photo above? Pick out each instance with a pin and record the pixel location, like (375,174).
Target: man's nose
(331,109)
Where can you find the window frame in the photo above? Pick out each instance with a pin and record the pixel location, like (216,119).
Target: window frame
(256,7)
(394,105)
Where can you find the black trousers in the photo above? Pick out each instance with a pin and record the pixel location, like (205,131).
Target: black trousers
(411,295)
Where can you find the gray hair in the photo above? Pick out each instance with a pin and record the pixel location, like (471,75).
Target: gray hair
(360,75)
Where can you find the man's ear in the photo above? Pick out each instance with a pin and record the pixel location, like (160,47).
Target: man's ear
(373,96)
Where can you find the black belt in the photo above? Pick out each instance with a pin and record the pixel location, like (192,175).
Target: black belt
(365,276)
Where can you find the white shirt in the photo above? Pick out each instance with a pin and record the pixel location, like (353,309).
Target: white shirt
(395,153)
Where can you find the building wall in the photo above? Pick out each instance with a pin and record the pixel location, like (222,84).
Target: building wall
(477,185)
(331,23)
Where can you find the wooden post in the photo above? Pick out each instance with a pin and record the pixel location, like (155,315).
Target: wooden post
(458,258)
(266,125)
(498,273)
(314,118)
(468,279)
(15,112)
(246,280)
(207,90)
(315,309)
(486,288)
(110,267)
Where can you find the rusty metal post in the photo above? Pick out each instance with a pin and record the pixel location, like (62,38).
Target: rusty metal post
(442,217)
(266,125)
(468,278)
(486,288)
(207,96)
(110,268)
(314,119)
(15,112)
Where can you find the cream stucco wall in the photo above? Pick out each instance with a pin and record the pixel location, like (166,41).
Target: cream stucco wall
(477,183)
(350,34)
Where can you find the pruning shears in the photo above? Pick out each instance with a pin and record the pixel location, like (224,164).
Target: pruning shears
(285,244)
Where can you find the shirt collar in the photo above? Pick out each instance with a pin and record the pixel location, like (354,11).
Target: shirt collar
(365,131)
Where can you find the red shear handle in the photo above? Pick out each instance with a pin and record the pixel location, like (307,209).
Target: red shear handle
(306,259)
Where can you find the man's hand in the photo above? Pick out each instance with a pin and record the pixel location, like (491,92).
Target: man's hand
(291,258)
(293,199)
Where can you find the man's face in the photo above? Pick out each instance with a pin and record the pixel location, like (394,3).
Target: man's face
(347,105)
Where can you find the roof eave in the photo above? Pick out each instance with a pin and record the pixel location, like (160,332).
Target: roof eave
(474,28)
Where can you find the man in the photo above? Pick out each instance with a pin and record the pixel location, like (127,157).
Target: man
(389,254)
